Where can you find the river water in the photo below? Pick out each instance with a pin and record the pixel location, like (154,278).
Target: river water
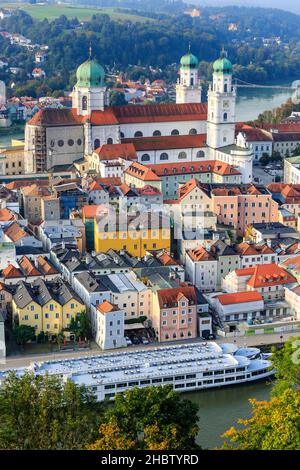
(253,101)
(220,408)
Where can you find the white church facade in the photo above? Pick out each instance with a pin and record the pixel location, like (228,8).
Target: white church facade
(188,130)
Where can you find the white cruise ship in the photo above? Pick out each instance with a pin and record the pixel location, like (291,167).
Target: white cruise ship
(189,367)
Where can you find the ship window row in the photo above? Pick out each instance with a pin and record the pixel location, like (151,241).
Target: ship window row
(189,384)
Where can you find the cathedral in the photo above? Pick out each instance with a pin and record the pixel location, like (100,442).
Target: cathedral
(188,130)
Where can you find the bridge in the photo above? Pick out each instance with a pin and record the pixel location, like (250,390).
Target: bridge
(242,84)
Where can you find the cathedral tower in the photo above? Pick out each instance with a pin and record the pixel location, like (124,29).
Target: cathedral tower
(90,93)
(221,105)
(188,88)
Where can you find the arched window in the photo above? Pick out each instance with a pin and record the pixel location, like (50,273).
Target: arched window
(200,154)
(84,103)
(156,133)
(181,334)
(164,156)
(145,157)
(225,88)
(225,116)
(96,144)
(122,135)
(192,81)
(109,140)
(175,132)
(167,336)
(182,155)
(138,134)
(174,335)
(193,131)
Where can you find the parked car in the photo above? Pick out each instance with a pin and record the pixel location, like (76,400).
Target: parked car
(135,340)
(145,340)
(128,341)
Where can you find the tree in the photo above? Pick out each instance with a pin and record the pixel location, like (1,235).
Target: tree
(43,412)
(287,365)
(149,418)
(23,334)
(265,159)
(80,325)
(274,425)
(117,99)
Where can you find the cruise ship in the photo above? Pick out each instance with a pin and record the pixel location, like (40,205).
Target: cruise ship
(189,367)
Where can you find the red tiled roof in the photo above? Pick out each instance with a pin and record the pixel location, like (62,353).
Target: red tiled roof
(253,134)
(14,232)
(56,117)
(253,249)
(95,186)
(11,271)
(28,267)
(148,190)
(113,151)
(45,266)
(269,275)
(161,112)
(167,259)
(107,307)
(200,254)
(6,215)
(22,183)
(167,297)
(239,298)
(168,142)
(206,166)
(110,180)
(90,211)
(142,172)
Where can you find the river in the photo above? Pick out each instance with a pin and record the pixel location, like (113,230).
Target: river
(253,101)
(219,409)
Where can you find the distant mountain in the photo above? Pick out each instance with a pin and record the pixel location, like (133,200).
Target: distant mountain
(288,5)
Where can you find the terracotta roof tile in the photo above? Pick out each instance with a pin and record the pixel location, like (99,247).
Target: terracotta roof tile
(28,267)
(239,298)
(200,254)
(142,172)
(167,297)
(107,307)
(14,232)
(112,151)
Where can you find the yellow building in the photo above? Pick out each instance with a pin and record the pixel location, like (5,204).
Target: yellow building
(13,160)
(147,232)
(46,306)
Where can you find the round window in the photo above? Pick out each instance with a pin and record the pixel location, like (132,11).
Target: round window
(79,141)
(70,142)
(60,143)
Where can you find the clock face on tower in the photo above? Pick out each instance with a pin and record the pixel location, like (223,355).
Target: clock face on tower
(226,104)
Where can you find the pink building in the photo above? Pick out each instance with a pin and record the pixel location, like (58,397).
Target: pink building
(174,314)
(243,205)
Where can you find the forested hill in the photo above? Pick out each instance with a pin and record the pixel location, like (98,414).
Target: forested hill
(161,42)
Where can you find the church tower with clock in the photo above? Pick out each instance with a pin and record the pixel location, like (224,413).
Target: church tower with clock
(221,105)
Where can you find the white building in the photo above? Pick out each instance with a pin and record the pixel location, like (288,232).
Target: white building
(110,326)
(238,306)
(202,269)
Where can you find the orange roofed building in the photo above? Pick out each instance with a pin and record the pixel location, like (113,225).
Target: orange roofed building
(269,280)
(109,326)
(174,314)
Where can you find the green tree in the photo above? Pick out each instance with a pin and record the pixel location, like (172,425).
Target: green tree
(287,365)
(149,418)
(80,326)
(43,412)
(23,334)
(265,159)
(117,99)
(274,425)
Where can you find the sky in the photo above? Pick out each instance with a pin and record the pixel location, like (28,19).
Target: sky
(290,5)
